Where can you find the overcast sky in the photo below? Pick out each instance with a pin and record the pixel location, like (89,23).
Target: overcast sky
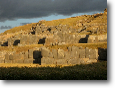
(18,12)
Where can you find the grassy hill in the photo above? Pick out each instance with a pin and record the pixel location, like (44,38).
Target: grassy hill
(95,71)
(91,22)
(96,20)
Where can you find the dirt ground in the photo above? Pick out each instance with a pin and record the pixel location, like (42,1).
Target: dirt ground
(30,65)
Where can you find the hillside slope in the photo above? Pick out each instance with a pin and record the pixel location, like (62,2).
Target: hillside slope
(75,40)
(91,22)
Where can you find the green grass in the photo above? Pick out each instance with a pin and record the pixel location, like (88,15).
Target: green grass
(95,71)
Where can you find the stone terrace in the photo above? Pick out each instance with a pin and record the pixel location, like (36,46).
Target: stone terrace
(92,29)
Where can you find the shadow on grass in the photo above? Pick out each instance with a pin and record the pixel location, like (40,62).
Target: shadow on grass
(95,71)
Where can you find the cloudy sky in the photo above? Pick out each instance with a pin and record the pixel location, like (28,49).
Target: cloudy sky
(19,12)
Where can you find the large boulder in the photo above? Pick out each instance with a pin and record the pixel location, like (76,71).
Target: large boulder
(82,52)
(61,54)
(45,52)
(30,52)
(55,53)
(47,61)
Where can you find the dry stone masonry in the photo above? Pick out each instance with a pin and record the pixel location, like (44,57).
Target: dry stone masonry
(86,31)
(57,35)
(45,56)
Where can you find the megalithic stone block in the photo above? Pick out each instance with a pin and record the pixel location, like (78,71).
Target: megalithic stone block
(61,54)
(96,39)
(47,61)
(45,52)
(69,48)
(77,52)
(2,61)
(10,57)
(82,53)
(67,55)
(19,61)
(60,62)
(28,61)
(30,52)
(8,61)
(55,53)
(74,61)
(15,56)
(34,39)
(50,55)
(6,56)
(21,55)
(26,55)
(92,54)
(87,52)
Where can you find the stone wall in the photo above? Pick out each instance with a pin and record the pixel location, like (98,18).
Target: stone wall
(46,56)
(29,39)
(54,35)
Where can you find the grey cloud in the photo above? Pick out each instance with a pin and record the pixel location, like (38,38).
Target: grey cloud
(13,9)
(24,23)
(5,27)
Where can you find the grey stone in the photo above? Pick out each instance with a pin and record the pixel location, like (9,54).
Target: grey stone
(60,62)
(75,52)
(60,34)
(26,55)
(23,40)
(55,53)
(1,58)
(10,57)
(61,54)
(30,52)
(47,61)
(10,42)
(8,61)
(38,30)
(67,55)
(45,52)
(28,61)
(90,40)
(92,54)
(96,39)
(18,61)
(77,38)
(15,56)
(21,54)
(74,61)
(67,38)
(6,56)
(69,48)
(82,53)
(87,52)
(50,55)
(71,39)
(2,61)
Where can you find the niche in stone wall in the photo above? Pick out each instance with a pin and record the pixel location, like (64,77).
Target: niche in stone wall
(42,41)
(102,54)
(16,42)
(37,57)
(5,43)
(84,40)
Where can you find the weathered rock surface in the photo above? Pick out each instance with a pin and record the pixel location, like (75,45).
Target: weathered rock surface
(90,29)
